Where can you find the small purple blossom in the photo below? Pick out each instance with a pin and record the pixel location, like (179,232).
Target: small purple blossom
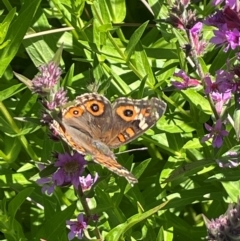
(87,182)
(216,132)
(59,99)
(225,227)
(47,184)
(224,81)
(233,38)
(216,2)
(210,86)
(228,16)
(47,78)
(196,29)
(198,45)
(216,20)
(229,164)
(220,99)
(187,81)
(229,160)
(228,3)
(77,227)
(70,167)
(228,23)
(224,36)
(220,90)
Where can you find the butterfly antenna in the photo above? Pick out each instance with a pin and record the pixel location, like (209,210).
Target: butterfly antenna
(132,150)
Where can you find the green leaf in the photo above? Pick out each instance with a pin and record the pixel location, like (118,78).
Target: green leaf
(5,25)
(117,10)
(156,7)
(189,169)
(134,40)
(103,9)
(14,89)
(16,32)
(17,201)
(54,226)
(193,144)
(176,123)
(118,232)
(197,100)
(143,66)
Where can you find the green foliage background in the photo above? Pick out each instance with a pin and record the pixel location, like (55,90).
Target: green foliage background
(120,48)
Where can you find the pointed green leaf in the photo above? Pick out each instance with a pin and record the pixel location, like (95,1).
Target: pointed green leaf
(16,32)
(134,40)
(118,232)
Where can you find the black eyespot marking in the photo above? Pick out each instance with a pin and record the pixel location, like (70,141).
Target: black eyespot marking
(128,113)
(75,112)
(95,107)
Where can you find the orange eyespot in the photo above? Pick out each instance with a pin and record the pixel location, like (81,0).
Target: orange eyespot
(95,107)
(127,112)
(74,112)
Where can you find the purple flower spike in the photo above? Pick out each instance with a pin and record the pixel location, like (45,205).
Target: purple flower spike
(225,227)
(69,169)
(47,78)
(216,132)
(59,99)
(77,227)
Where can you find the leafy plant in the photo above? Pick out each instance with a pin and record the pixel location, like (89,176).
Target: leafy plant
(134,49)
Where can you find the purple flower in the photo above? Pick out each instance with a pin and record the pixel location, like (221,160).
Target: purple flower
(226,227)
(224,36)
(216,132)
(58,99)
(198,45)
(216,2)
(224,81)
(230,164)
(220,36)
(210,86)
(233,4)
(233,38)
(220,90)
(47,184)
(231,14)
(187,81)
(77,227)
(229,160)
(70,167)
(229,3)
(220,99)
(229,17)
(216,20)
(196,29)
(47,78)
(87,182)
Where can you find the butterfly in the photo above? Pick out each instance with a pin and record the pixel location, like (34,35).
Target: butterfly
(92,125)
